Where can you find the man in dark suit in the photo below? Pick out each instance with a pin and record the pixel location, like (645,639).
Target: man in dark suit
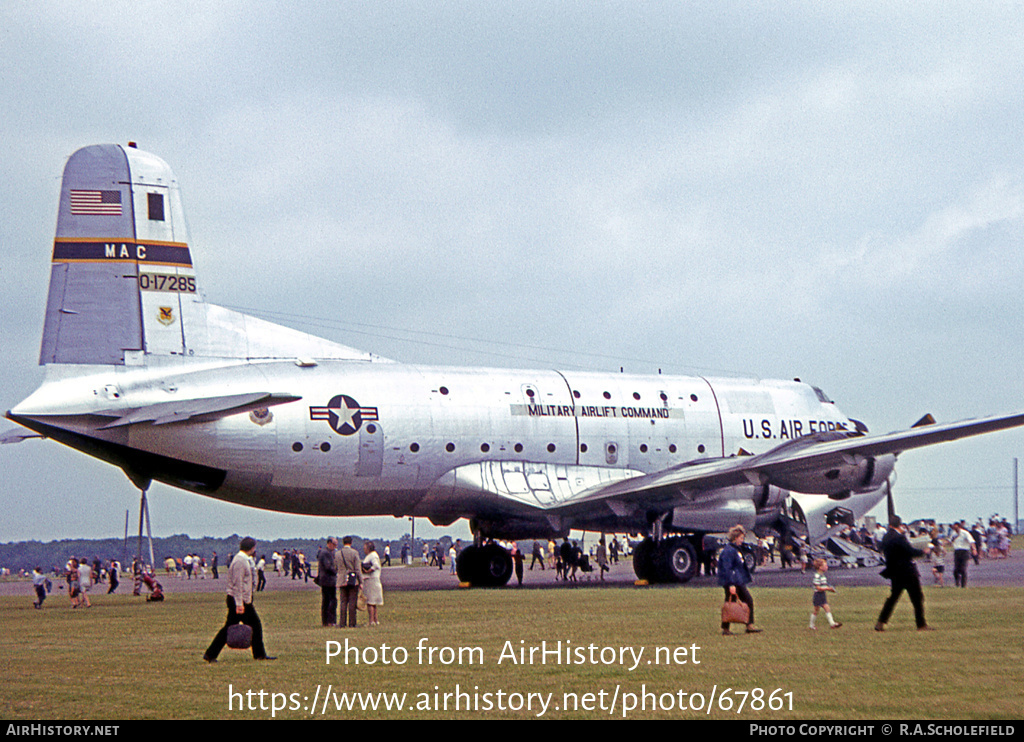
(326,578)
(901,572)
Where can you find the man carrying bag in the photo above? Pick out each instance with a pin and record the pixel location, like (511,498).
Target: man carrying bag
(241,579)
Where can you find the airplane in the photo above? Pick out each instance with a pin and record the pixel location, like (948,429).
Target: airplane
(142,372)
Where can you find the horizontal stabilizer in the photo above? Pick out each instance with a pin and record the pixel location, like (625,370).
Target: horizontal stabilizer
(183,409)
(17,435)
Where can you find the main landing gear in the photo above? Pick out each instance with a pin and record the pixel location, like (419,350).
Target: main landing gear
(672,559)
(488,565)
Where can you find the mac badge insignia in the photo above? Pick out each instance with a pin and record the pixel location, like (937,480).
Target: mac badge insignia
(261,416)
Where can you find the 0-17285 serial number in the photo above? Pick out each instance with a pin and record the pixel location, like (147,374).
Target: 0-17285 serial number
(167,282)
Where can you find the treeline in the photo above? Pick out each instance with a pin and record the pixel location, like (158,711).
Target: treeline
(26,555)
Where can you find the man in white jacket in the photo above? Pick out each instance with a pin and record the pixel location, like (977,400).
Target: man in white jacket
(241,580)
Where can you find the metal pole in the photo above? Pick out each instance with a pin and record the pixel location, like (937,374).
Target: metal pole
(142,514)
(412,540)
(149,531)
(124,548)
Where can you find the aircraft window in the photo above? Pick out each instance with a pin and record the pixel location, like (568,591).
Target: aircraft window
(551,448)
(371,429)
(325,446)
(414,447)
(821,396)
(450,448)
(636,396)
(519,448)
(611,448)
(576,394)
(672,448)
(156,207)
(296,447)
(643,448)
(529,392)
(693,397)
(607,395)
(583,448)
(664,397)
(485,447)
(443,390)
(700,448)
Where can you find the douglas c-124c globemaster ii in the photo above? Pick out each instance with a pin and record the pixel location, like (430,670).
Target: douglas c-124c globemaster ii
(141,372)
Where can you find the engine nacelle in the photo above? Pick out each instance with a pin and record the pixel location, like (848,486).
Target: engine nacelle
(771,502)
(855,473)
(716,511)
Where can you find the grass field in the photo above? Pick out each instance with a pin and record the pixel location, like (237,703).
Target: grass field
(125,659)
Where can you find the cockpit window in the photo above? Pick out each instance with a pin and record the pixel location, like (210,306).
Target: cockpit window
(821,396)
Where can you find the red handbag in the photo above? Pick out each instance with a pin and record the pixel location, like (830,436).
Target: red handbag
(735,610)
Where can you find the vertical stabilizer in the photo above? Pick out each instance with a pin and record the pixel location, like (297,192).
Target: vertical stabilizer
(121,262)
(122,286)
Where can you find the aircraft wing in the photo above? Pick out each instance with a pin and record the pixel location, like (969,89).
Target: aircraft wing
(801,457)
(180,410)
(894,443)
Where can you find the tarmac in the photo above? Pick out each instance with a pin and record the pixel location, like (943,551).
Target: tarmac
(988,573)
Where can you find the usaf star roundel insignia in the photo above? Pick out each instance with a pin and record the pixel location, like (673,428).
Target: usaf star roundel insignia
(343,414)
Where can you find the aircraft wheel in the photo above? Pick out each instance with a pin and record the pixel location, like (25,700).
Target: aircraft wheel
(677,560)
(484,566)
(643,560)
(495,566)
(465,566)
(750,561)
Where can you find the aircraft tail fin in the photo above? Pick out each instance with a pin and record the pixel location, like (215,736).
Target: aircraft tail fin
(121,262)
(122,284)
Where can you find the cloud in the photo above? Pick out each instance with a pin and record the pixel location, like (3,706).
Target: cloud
(803,190)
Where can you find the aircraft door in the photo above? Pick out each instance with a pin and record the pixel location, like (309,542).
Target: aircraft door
(371,451)
(546,425)
(695,403)
(323,446)
(654,427)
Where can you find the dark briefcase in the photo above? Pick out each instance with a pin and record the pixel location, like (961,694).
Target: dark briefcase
(239,636)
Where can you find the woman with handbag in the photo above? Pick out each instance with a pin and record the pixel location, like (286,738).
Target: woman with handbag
(371,583)
(734,576)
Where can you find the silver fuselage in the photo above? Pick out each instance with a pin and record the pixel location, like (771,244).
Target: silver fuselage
(439,442)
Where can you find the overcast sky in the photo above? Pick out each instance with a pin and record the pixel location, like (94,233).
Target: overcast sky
(773,190)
